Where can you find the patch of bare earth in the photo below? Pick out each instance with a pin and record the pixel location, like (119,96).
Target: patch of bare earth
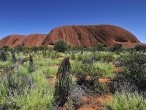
(95,103)
(105,80)
(54,66)
(52,80)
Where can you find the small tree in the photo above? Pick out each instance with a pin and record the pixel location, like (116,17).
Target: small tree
(19,48)
(140,48)
(43,47)
(6,48)
(99,47)
(60,46)
(34,48)
(116,47)
(26,50)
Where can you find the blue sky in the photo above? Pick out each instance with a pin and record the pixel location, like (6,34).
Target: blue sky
(40,16)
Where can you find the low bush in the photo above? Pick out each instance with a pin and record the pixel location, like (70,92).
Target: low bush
(99,47)
(88,74)
(60,46)
(140,48)
(3,56)
(127,101)
(4,65)
(116,47)
(19,48)
(72,56)
(106,56)
(21,90)
(134,70)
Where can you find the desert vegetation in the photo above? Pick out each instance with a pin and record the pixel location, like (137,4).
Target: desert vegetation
(62,78)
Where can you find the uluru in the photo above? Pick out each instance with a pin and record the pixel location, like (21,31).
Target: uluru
(76,35)
(88,35)
(27,41)
(34,40)
(12,40)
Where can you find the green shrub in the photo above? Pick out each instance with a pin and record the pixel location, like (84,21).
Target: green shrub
(140,47)
(4,65)
(26,50)
(106,69)
(43,47)
(79,57)
(127,101)
(134,68)
(81,71)
(34,48)
(25,91)
(92,69)
(3,56)
(19,48)
(99,47)
(17,84)
(6,48)
(72,56)
(106,56)
(54,55)
(116,47)
(60,46)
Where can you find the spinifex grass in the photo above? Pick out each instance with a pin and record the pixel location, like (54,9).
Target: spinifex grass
(32,92)
(4,65)
(95,69)
(127,101)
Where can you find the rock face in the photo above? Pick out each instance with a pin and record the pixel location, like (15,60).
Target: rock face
(12,40)
(28,41)
(80,35)
(89,35)
(34,40)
